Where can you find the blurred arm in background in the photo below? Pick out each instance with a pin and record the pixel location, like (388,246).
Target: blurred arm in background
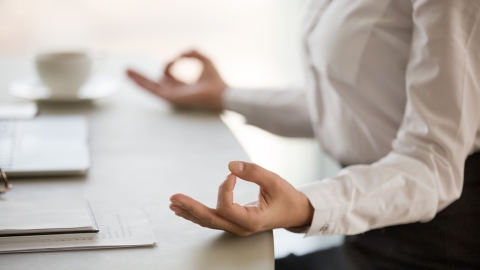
(284,113)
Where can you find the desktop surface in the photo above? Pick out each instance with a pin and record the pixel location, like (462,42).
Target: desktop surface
(142,152)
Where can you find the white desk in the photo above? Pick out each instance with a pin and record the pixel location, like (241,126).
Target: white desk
(142,152)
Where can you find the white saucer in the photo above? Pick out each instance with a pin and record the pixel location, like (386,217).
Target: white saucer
(94,88)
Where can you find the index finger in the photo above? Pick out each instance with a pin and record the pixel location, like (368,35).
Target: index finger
(227,208)
(167,70)
(195,54)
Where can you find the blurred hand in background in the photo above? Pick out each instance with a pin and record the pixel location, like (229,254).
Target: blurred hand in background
(205,93)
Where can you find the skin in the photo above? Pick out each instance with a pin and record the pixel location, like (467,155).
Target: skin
(205,93)
(279,204)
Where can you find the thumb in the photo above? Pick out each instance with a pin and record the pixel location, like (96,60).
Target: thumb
(253,173)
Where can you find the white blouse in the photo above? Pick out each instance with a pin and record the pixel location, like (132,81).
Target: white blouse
(393,85)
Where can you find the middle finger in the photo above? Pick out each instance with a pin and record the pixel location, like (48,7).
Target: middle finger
(208,216)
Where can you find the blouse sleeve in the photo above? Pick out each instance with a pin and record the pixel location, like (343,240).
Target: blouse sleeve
(423,173)
(283,113)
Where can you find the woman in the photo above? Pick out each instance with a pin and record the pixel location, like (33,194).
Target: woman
(393,92)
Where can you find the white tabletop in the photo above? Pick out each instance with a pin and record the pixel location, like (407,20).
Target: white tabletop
(142,152)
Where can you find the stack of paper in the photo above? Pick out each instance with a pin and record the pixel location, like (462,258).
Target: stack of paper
(119,227)
(23,110)
(45,216)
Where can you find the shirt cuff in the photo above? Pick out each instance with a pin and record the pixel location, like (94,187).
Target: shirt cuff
(326,213)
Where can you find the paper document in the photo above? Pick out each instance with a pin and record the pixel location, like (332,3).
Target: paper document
(33,216)
(119,227)
(24,110)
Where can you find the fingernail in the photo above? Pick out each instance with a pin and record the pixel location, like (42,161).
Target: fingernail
(177,203)
(240,166)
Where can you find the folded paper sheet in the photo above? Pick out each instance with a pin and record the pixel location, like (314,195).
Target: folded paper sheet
(23,110)
(45,216)
(119,227)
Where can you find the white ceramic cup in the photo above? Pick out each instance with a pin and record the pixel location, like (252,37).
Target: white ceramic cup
(64,72)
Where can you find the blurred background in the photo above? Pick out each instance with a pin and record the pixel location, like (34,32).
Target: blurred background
(254,44)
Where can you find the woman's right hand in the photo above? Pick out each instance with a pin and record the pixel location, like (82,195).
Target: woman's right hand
(205,93)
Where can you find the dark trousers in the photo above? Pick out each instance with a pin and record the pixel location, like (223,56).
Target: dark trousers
(450,241)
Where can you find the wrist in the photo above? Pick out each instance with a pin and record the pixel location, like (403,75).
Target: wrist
(306,211)
(218,103)
(305,216)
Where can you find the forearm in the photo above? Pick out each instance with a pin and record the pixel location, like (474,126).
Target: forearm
(283,113)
